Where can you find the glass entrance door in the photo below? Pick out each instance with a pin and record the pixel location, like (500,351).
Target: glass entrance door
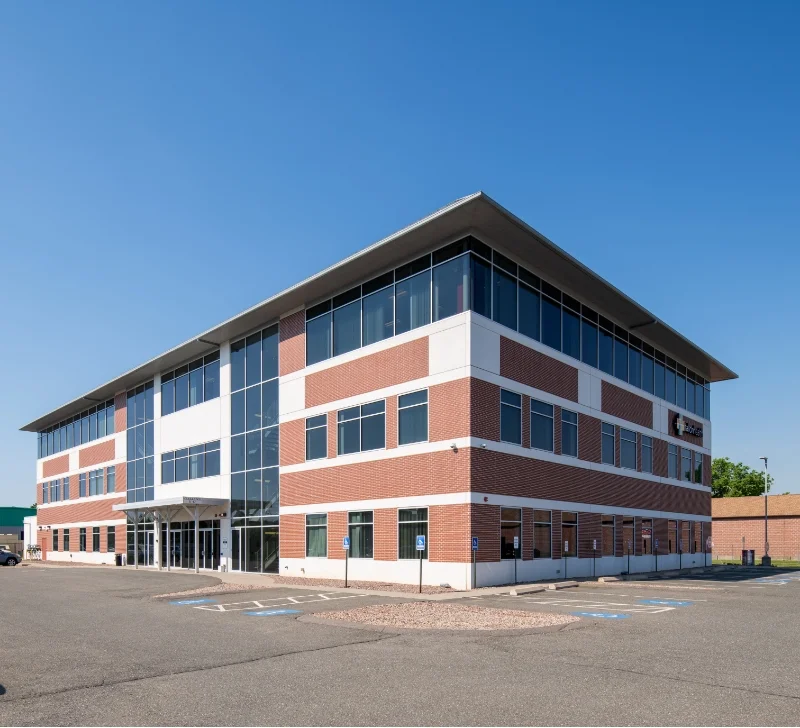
(175,549)
(270,549)
(148,548)
(209,550)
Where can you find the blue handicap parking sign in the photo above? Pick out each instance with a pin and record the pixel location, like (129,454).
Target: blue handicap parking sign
(346,543)
(474,543)
(273,612)
(601,615)
(666,602)
(420,543)
(193,601)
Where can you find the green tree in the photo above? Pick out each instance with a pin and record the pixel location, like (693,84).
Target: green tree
(730,480)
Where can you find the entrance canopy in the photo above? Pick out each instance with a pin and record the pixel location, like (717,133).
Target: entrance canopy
(164,510)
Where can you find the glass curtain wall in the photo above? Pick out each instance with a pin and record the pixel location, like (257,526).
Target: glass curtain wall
(254,451)
(140,444)
(469,275)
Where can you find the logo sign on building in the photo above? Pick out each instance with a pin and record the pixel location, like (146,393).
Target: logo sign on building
(682,427)
(474,543)
(420,543)
(647,532)
(346,543)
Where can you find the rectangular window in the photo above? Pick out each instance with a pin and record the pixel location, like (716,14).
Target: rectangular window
(698,468)
(589,343)
(647,374)
(627,535)
(608,533)
(647,454)
(504,310)
(82,485)
(347,328)
(111,539)
(96,539)
(65,489)
(672,536)
(672,461)
(360,532)
(658,381)
(510,528)
(647,536)
(542,531)
(620,360)
(680,391)
(635,367)
(529,312)
(412,417)
(627,449)
(413,302)
(317,437)
(551,323)
(55,539)
(318,339)
(377,316)
(541,425)
(569,433)
(82,540)
(607,444)
(510,417)
(362,428)
(569,533)
(451,286)
(211,377)
(571,329)
(317,535)
(411,522)
(606,352)
(686,465)
(111,479)
(66,539)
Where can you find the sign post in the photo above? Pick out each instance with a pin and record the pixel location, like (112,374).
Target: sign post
(516,547)
(655,551)
(594,558)
(474,565)
(566,548)
(629,557)
(421,549)
(346,547)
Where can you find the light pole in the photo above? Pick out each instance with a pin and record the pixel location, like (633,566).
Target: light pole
(766,560)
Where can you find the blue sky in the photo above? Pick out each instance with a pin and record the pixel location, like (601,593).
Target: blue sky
(165,165)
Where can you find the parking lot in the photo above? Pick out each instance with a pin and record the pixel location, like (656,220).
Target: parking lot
(92,646)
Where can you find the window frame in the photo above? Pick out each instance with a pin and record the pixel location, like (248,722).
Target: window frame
(603,532)
(604,426)
(628,441)
(317,526)
(401,408)
(551,417)
(510,405)
(308,429)
(427,533)
(360,419)
(574,549)
(549,524)
(566,424)
(371,524)
(647,445)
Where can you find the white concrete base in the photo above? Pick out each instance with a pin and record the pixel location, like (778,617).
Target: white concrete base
(82,557)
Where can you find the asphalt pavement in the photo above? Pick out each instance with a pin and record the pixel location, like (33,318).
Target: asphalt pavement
(82,646)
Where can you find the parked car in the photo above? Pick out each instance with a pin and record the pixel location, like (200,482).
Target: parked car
(8,558)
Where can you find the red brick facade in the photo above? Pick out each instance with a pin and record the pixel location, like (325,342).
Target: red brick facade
(531,367)
(96,454)
(626,405)
(55,466)
(292,346)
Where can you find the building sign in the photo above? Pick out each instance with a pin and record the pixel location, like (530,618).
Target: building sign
(647,532)
(683,427)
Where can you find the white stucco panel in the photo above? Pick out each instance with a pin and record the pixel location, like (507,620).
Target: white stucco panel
(192,426)
(584,388)
(292,395)
(484,348)
(447,349)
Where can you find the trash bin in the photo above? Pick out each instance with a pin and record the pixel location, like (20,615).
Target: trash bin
(118,559)
(748,557)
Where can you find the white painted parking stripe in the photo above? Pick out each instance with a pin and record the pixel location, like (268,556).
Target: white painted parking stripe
(254,604)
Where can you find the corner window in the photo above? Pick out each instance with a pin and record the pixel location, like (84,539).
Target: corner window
(362,428)
(317,437)
(510,417)
(412,417)
(569,533)
(359,525)
(627,449)
(411,522)
(607,454)
(647,454)
(608,534)
(541,425)
(317,535)
(542,533)
(510,528)
(672,461)
(569,433)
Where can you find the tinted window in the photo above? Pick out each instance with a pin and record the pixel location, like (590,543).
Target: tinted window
(269,353)
(505,299)
(658,380)
(378,316)
(647,374)
(253,405)
(269,400)
(412,417)
(635,368)
(606,350)
(481,287)
(451,288)
(572,334)
(318,339)
(551,323)
(211,381)
(413,302)
(237,365)
(253,367)
(510,417)
(620,360)
(529,305)
(670,380)
(589,343)
(347,328)
(167,397)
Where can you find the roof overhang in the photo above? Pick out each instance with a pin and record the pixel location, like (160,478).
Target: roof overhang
(476,213)
(174,501)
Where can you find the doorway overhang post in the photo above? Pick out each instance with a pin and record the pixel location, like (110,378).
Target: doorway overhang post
(196,540)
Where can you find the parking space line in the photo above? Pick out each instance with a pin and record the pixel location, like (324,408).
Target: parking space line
(254,604)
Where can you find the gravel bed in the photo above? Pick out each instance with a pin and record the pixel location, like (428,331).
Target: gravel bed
(436,615)
(362,585)
(223,588)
